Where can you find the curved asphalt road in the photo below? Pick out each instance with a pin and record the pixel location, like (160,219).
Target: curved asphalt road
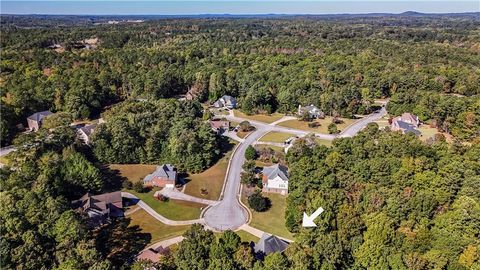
(228,214)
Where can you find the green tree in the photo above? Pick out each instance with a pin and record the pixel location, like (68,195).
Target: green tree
(250,153)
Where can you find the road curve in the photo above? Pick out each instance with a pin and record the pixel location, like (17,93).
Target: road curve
(228,214)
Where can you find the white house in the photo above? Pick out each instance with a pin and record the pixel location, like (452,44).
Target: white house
(226,101)
(275,179)
(312,111)
(85,133)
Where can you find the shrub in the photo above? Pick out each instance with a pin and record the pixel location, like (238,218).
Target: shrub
(258,203)
(138,187)
(127,184)
(250,153)
(332,129)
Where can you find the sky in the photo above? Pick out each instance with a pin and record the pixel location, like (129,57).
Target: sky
(195,7)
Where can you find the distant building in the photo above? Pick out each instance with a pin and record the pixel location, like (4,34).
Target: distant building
(275,179)
(226,102)
(406,123)
(100,208)
(312,111)
(270,244)
(85,133)
(164,176)
(219,126)
(35,120)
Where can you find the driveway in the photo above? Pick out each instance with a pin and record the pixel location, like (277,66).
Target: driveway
(173,193)
(354,128)
(157,216)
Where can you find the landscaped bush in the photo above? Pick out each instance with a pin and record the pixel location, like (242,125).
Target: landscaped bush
(332,129)
(259,203)
(250,153)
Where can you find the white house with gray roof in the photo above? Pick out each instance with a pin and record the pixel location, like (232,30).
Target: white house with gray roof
(35,120)
(226,101)
(312,111)
(275,179)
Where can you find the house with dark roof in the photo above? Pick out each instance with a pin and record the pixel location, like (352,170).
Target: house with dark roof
(100,208)
(164,176)
(34,121)
(270,244)
(406,123)
(312,111)
(219,126)
(275,179)
(85,133)
(226,101)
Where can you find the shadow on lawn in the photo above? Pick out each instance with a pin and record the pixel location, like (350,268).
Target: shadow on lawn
(119,242)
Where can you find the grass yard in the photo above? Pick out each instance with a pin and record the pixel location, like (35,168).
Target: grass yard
(211,179)
(247,237)
(243,134)
(133,172)
(323,128)
(273,220)
(273,147)
(427,132)
(327,143)
(276,137)
(266,118)
(172,209)
(157,230)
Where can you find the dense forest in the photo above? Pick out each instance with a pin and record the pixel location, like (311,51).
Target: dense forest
(428,65)
(390,200)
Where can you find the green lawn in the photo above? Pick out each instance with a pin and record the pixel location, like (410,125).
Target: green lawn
(427,132)
(247,237)
(212,180)
(276,137)
(133,172)
(266,118)
(323,128)
(273,220)
(157,230)
(327,143)
(172,209)
(273,147)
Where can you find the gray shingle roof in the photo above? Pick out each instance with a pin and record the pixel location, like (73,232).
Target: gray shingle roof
(270,243)
(166,171)
(408,128)
(38,116)
(276,170)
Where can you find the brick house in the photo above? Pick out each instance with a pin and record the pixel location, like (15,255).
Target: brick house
(164,176)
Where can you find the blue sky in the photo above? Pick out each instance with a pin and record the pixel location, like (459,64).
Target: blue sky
(152,7)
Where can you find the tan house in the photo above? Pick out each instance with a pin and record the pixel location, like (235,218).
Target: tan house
(406,123)
(100,208)
(219,126)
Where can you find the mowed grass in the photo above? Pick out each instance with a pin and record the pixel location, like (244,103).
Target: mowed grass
(247,237)
(323,128)
(266,118)
(273,220)
(172,209)
(133,172)
(212,180)
(276,137)
(327,143)
(157,230)
(427,132)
